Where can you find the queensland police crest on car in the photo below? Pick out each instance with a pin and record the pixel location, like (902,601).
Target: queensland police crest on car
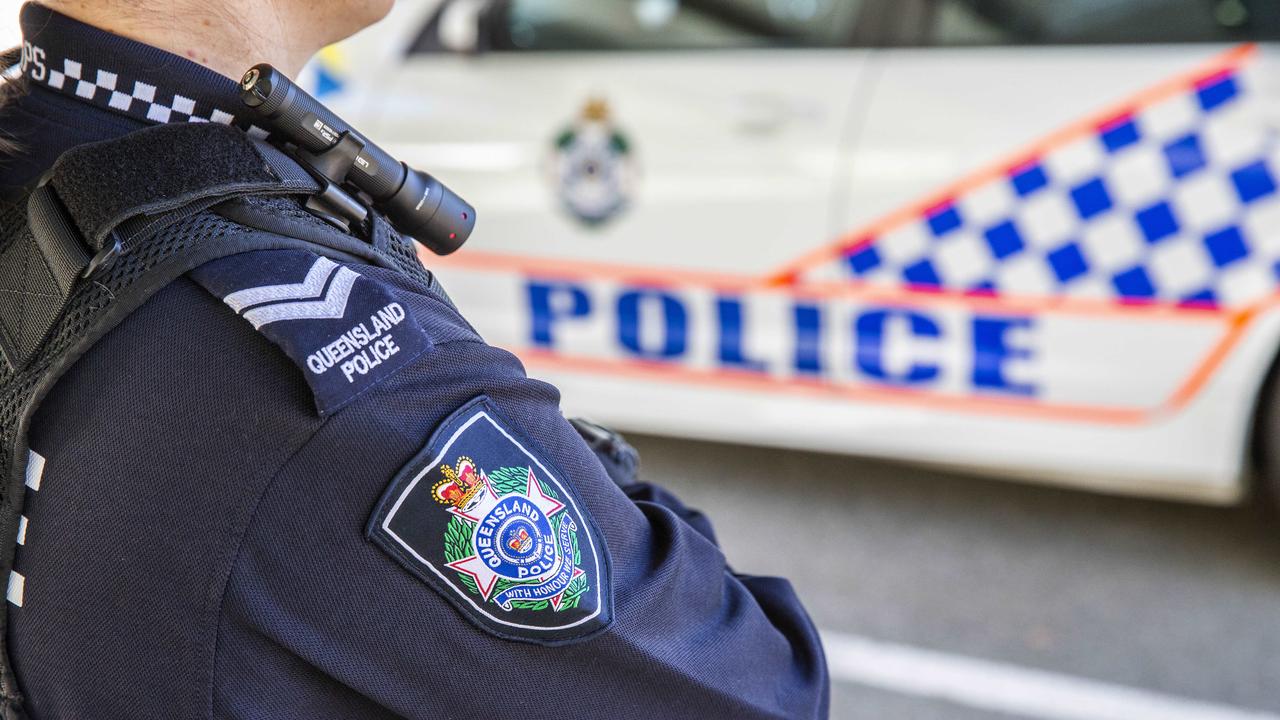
(593,167)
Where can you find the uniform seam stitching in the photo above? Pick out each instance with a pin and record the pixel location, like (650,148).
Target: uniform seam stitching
(455,341)
(217,608)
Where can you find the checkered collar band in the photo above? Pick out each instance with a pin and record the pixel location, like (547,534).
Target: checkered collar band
(122,75)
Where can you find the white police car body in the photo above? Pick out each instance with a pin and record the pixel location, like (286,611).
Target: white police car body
(1035,239)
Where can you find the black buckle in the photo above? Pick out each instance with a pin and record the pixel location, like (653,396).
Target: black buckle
(332,203)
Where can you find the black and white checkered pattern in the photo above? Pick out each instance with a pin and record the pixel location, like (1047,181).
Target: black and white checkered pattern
(16,590)
(134,97)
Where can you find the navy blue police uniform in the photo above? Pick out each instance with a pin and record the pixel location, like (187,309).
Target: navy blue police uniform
(287,486)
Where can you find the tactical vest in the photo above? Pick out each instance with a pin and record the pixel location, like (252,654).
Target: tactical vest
(111,224)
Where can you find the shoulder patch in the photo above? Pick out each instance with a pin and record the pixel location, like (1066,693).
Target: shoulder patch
(345,331)
(492,526)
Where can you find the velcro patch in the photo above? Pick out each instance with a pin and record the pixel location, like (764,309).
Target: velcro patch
(488,522)
(346,332)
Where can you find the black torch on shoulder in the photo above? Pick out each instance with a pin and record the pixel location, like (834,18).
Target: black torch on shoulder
(342,159)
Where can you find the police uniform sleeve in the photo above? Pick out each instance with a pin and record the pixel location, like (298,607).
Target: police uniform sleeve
(622,464)
(446,545)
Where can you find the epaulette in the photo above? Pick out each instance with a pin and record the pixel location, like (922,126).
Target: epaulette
(345,331)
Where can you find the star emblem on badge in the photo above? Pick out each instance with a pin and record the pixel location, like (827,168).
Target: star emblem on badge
(480,513)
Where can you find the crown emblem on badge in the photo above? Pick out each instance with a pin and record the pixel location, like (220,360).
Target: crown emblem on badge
(460,485)
(521,542)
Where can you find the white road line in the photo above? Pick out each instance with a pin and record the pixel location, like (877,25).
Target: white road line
(1007,688)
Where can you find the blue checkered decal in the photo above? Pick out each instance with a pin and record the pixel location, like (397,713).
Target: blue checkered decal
(1175,202)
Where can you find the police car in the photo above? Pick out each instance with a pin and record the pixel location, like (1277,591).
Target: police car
(1037,239)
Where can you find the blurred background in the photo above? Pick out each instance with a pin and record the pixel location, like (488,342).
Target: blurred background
(958,313)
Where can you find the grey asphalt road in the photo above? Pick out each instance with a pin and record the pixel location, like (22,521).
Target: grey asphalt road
(1178,600)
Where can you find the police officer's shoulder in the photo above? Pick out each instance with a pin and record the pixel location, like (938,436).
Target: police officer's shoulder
(480,512)
(347,326)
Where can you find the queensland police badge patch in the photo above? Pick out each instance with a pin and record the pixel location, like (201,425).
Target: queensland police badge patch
(496,530)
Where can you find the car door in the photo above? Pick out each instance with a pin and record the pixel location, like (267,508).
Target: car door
(1087,160)
(693,134)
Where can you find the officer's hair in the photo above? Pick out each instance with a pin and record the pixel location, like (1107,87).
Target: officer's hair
(12,84)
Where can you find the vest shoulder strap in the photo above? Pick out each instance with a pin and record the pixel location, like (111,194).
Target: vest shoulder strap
(100,199)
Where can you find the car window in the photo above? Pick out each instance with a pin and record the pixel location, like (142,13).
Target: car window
(1070,22)
(532,25)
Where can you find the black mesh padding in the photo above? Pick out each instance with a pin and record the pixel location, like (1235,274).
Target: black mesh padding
(395,250)
(284,208)
(399,248)
(403,253)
